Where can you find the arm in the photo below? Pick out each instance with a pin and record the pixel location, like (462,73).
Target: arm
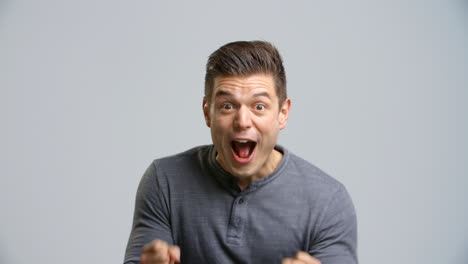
(151,217)
(335,240)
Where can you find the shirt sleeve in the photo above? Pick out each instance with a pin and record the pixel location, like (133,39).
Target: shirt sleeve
(151,218)
(335,240)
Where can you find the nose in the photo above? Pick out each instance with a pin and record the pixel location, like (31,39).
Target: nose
(243,119)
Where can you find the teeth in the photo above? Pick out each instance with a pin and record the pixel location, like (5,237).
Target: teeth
(242,141)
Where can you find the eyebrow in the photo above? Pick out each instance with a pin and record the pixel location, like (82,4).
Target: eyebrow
(222,93)
(227,93)
(265,94)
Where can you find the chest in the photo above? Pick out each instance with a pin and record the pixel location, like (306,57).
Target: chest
(256,227)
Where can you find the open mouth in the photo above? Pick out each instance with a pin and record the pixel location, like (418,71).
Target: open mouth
(243,149)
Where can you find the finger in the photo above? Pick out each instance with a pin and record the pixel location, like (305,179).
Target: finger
(287,261)
(307,258)
(174,253)
(296,261)
(156,252)
(153,245)
(148,248)
(154,258)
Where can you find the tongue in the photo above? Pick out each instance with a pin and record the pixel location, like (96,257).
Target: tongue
(242,149)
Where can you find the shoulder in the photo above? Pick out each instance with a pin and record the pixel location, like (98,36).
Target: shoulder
(324,192)
(177,167)
(181,159)
(309,174)
(314,186)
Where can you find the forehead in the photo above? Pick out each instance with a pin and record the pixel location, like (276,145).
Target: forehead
(245,84)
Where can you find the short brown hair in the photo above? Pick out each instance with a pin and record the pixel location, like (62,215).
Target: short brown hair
(244,58)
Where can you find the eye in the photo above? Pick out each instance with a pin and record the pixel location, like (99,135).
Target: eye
(226,106)
(260,107)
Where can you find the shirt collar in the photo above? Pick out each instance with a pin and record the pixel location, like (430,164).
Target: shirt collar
(230,181)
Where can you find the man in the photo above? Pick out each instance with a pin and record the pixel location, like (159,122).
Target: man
(243,199)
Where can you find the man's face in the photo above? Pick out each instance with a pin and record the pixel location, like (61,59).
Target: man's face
(245,119)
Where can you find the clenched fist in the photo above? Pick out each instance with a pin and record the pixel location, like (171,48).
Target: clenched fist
(159,252)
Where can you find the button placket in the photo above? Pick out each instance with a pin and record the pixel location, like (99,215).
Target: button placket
(235,227)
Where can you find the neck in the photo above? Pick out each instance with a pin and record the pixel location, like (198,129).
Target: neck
(270,166)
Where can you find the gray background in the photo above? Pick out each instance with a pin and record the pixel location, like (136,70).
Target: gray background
(92,91)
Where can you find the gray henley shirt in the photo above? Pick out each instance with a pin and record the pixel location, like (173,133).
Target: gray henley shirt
(190,201)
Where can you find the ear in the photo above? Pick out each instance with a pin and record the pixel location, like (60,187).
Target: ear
(284,113)
(206,112)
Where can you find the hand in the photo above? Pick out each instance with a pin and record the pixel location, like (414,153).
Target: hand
(301,258)
(159,252)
